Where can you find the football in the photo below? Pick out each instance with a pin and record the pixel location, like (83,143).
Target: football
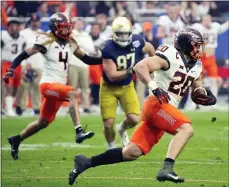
(198,91)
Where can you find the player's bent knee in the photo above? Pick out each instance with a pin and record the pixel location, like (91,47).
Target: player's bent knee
(72,95)
(134,118)
(108,123)
(187,128)
(131,152)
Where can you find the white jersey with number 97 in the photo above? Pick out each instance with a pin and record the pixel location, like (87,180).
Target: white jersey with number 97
(176,79)
(57,57)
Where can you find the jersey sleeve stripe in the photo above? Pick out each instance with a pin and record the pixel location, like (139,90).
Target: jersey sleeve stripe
(165,58)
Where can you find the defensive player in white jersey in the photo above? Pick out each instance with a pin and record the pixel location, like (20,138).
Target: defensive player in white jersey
(169,24)
(210,31)
(32,69)
(176,68)
(57,47)
(12,44)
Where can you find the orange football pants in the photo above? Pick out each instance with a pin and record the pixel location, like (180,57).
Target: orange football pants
(53,96)
(156,119)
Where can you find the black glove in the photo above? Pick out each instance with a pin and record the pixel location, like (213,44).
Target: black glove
(8,75)
(205,100)
(161,94)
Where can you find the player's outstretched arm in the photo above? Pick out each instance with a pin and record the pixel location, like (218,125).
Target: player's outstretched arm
(148,48)
(17,61)
(110,69)
(87,59)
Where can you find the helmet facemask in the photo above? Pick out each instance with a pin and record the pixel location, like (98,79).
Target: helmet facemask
(63,30)
(122,31)
(198,50)
(123,39)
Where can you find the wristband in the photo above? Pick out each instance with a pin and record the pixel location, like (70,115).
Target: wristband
(152,85)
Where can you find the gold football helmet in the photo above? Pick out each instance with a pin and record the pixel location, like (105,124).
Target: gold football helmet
(122,31)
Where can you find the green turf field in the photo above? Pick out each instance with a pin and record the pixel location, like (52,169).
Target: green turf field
(46,158)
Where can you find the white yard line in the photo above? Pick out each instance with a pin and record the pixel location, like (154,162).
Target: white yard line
(112,178)
(135,163)
(27,147)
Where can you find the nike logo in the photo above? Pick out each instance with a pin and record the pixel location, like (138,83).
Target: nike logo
(74,171)
(174,177)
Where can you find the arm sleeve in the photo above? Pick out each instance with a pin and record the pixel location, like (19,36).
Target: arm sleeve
(90,60)
(17,61)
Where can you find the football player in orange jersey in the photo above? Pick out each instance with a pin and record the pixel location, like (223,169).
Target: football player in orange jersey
(57,47)
(175,69)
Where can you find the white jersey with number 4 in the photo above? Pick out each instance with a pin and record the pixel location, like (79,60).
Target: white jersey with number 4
(11,47)
(176,79)
(56,60)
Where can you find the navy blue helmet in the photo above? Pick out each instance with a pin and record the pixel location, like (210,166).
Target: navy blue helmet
(60,25)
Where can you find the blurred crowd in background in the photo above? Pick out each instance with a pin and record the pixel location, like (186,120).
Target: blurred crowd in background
(92,25)
(190,11)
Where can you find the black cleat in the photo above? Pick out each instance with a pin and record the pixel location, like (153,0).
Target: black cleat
(167,175)
(82,135)
(81,164)
(19,110)
(14,143)
(87,111)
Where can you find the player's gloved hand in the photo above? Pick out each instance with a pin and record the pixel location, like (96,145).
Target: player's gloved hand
(206,100)
(8,75)
(130,71)
(161,94)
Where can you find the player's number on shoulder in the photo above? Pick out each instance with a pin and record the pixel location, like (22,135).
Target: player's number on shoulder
(122,61)
(64,59)
(162,48)
(179,87)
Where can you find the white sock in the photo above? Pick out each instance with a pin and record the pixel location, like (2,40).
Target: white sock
(121,126)
(9,100)
(76,127)
(111,145)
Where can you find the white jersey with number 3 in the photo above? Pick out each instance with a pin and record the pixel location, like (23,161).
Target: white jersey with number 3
(11,47)
(56,60)
(176,79)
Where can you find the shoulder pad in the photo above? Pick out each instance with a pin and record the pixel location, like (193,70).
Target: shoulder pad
(44,39)
(167,52)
